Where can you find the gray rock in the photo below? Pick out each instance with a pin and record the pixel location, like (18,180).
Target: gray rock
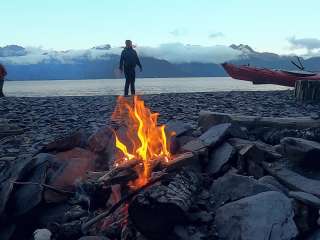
(305,198)
(178,127)
(232,187)
(299,149)
(195,145)
(274,182)
(219,158)
(293,180)
(268,215)
(93,238)
(314,236)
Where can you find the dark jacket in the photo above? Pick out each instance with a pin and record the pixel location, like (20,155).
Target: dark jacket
(129,59)
(3,71)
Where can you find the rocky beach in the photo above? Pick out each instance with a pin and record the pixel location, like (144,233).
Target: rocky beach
(244,178)
(44,119)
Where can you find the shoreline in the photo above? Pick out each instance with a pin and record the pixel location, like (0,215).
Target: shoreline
(47,118)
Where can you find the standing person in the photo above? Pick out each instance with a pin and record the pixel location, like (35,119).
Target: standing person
(3,73)
(128,62)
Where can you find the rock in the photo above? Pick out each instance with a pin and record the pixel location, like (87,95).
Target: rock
(219,158)
(70,166)
(220,132)
(273,182)
(42,234)
(28,196)
(7,231)
(305,198)
(195,145)
(76,139)
(301,150)
(232,187)
(178,127)
(293,180)
(207,120)
(93,238)
(314,236)
(267,215)
(100,140)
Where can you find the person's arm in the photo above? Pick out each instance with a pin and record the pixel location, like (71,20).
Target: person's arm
(138,61)
(121,61)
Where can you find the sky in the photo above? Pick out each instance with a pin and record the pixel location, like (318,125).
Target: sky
(281,26)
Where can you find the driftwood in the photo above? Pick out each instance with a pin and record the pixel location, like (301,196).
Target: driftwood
(157,210)
(307,90)
(208,119)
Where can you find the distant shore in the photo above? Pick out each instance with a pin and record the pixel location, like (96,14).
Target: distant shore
(44,119)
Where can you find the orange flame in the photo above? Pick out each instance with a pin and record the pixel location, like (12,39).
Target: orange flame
(146,141)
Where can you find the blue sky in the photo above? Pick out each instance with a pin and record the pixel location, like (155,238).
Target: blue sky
(77,24)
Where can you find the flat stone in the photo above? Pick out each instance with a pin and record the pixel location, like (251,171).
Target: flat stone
(219,158)
(273,182)
(299,149)
(232,187)
(267,215)
(178,127)
(194,145)
(314,236)
(215,134)
(306,198)
(100,140)
(93,238)
(293,180)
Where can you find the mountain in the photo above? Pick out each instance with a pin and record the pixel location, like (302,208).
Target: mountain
(102,61)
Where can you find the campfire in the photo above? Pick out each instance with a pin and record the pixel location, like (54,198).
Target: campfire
(136,179)
(143,141)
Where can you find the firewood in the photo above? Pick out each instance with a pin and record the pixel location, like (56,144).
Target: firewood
(157,210)
(86,226)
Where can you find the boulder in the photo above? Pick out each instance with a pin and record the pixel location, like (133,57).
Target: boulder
(75,139)
(232,187)
(69,167)
(314,236)
(219,158)
(301,150)
(268,215)
(100,140)
(177,127)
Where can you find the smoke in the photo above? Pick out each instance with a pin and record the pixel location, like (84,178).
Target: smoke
(172,52)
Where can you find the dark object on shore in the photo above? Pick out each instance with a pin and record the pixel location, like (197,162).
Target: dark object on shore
(268,76)
(307,90)
(3,73)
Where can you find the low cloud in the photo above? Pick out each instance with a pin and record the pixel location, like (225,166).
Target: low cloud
(181,53)
(304,43)
(172,52)
(216,35)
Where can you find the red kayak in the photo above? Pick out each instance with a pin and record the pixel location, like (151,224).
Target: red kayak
(268,76)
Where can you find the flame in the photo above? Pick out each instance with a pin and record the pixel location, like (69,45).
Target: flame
(146,141)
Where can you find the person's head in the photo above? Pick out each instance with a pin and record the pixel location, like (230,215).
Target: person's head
(128,43)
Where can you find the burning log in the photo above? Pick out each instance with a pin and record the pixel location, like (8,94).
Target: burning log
(158,209)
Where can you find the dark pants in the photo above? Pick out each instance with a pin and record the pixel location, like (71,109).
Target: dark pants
(130,75)
(1,86)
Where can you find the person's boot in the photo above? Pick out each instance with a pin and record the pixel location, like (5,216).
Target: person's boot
(1,94)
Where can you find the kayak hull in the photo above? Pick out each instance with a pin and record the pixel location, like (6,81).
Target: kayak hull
(266,76)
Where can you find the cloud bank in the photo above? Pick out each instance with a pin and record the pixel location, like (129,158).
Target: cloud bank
(172,52)
(304,43)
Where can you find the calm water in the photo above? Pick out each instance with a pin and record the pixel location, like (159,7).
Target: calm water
(92,87)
